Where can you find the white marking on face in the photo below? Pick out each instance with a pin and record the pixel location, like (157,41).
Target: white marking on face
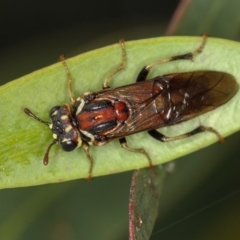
(55,112)
(68,128)
(54,136)
(79,141)
(65,140)
(64,117)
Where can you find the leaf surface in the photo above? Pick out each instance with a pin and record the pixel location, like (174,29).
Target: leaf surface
(24,141)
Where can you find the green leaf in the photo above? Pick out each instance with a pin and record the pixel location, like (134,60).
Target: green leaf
(24,141)
(144,200)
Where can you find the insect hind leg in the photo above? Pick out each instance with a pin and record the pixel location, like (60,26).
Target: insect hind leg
(159,136)
(187,56)
(123,143)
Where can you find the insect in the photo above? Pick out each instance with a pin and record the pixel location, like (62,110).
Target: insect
(96,118)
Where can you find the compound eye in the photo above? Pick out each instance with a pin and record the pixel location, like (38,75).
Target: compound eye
(54,109)
(68,145)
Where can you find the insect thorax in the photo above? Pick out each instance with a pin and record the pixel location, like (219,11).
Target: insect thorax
(96,117)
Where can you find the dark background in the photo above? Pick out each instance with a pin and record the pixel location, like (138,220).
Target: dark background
(21,20)
(34,34)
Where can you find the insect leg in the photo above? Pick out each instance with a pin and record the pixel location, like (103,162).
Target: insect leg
(157,135)
(119,68)
(86,150)
(70,91)
(187,56)
(123,143)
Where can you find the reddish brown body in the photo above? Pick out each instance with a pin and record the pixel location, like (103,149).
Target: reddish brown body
(151,104)
(101,116)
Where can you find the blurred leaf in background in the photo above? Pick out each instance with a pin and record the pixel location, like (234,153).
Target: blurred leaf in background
(217,18)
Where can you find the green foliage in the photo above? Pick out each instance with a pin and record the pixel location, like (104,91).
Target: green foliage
(24,141)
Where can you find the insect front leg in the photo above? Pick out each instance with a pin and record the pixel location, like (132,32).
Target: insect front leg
(70,91)
(159,136)
(187,56)
(90,158)
(119,68)
(123,143)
